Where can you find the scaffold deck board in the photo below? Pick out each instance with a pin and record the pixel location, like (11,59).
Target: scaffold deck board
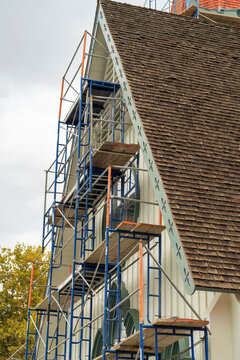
(189,11)
(132,343)
(117,154)
(148,229)
(126,243)
(177,322)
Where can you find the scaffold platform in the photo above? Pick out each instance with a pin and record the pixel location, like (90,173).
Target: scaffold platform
(132,233)
(168,331)
(128,234)
(114,154)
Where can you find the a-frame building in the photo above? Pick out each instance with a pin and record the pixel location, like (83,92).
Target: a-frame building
(142,212)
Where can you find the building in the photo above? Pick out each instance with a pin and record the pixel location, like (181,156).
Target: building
(222,11)
(142,202)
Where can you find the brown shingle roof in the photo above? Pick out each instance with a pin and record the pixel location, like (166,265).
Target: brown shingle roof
(184,76)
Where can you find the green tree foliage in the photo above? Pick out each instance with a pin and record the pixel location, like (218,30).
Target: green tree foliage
(15,275)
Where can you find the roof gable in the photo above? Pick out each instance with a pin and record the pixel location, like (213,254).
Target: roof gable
(184,77)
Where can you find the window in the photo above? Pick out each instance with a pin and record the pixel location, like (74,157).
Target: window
(176,349)
(129,322)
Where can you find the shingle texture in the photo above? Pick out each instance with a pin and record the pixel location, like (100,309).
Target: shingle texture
(185,79)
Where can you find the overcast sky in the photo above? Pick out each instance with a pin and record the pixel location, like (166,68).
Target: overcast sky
(37,39)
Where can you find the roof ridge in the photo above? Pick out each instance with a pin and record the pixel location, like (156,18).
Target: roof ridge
(199,21)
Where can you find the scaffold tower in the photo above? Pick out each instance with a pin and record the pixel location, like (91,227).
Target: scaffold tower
(96,173)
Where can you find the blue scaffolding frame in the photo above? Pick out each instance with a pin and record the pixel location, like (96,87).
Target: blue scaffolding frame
(95,181)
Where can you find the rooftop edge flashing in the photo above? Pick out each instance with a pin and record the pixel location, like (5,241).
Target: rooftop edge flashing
(148,157)
(218,290)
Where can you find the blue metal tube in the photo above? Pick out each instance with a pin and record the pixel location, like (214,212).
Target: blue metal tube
(65,343)
(105,295)
(57,329)
(113,115)
(82,315)
(156,343)
(65,156)
(85,228)
(122,201)
(197,13)
(111,207)
(27,336)
(134,235)
(137,174)
(141,341)
(160,277)
(148,284)
(90,168)
(174,328)
(118,312)
(35,348)
(122,121)
(83,161)
(206,344)
(112,294)
(93,231)
(192,345)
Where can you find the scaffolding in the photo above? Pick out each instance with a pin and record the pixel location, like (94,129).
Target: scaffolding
(97,172)
(182,7)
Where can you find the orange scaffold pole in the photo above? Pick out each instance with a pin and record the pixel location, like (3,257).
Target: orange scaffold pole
(61,99)
(84,52)
(160,217)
